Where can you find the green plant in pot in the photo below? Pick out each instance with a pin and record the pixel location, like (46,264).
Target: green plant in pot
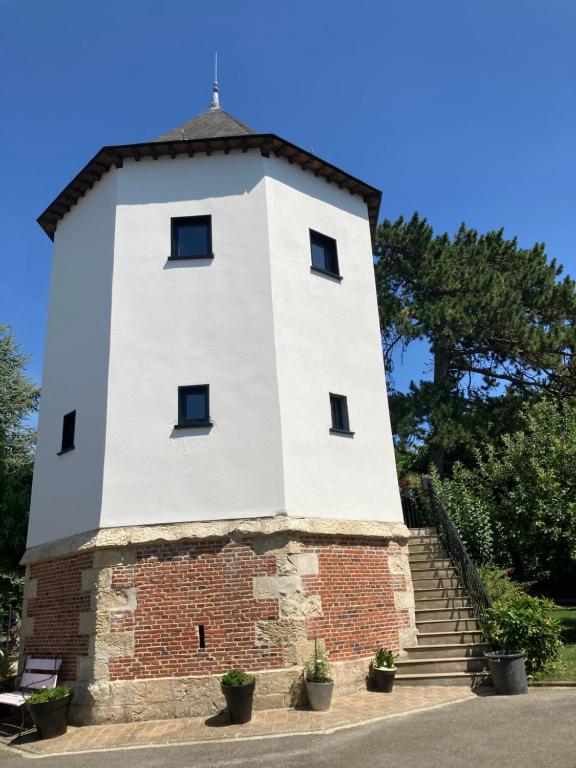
(318,679)
(49,710)
(384,669)
(238,689)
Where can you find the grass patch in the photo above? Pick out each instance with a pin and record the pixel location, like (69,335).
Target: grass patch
(565,667)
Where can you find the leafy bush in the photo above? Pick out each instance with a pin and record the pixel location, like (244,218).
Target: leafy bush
(518,621)
(49,694)
(469,512)
(384,659)
(499,584)
(236,677)
(318,667)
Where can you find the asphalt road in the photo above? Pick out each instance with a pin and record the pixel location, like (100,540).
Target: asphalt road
(532,731)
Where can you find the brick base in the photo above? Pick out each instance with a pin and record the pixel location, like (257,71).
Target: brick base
(129,620)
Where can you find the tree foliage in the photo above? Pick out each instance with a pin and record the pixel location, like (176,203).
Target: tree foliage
(524,488)
(499,322)
(18,399)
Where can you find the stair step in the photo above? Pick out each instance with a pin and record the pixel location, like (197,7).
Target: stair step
(446,664)
(433,593)
(441,602)
(427,540)
(447,650)
(447,625)
(464,637)
(441,678)
(424,549)
(434,582)
(428,572)
(425,614)
(428,564)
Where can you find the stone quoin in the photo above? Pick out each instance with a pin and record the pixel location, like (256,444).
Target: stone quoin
(214,482)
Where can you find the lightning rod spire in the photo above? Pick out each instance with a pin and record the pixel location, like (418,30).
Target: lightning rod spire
(215,91)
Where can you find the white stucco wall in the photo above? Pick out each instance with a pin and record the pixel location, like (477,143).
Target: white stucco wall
(272,339)
(192,322)
(328,340)
(67,489)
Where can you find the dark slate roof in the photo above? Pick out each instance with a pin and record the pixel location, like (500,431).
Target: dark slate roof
(212,124)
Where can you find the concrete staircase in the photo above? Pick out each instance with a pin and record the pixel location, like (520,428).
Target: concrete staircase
(450,649)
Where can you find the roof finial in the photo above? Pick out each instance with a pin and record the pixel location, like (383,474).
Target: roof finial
(215,97)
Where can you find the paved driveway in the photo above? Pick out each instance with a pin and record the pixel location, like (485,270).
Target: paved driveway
(533,731)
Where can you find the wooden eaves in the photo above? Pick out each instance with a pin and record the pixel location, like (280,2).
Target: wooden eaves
(267,143)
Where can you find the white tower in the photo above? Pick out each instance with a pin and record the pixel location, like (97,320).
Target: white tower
(213,374)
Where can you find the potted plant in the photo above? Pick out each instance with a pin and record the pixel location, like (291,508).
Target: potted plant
(319,683)
(238,690)
(384,669)
(49,710)
(507,625)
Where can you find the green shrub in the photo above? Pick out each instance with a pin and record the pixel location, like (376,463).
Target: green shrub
(49,694)
(499,585)
(236,677)
(384,659)
(318,667)
(522,622)
(469,512)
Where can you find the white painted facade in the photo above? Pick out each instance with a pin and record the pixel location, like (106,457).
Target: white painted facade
(271,338)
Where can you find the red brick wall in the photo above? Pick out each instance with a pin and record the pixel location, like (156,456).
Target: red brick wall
(56,611)
(182,585)
(357,593)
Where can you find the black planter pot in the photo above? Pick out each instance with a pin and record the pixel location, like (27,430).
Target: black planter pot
(51,717)
(239,701)
(508,672)
(384,679)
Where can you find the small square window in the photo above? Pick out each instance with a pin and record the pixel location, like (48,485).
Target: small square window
(192,237)
(324,254)
(193,406)
(68,429)
(339,410)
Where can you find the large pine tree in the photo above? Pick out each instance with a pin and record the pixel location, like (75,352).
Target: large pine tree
(499,321)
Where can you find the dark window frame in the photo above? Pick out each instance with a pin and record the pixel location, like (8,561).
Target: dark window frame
(331,264)
(175,222)
(339,415)
(68,432)
(193,423)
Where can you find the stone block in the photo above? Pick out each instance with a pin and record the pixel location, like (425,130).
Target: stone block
(87,623)
(306,563)
(115,644)
(84,669)
(280,631)
(298,653)
(27,628)
(30,589)
(265,587)
(299,606)
(403,600)
(399,565)
(109,558)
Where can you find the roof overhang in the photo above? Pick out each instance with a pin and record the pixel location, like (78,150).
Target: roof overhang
(267,143)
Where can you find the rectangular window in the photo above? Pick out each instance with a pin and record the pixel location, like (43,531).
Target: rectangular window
(192,237)
(193,406)
(324,254)
(339,410)
(68,428)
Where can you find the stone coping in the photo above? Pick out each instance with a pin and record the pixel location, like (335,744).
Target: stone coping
(136,535)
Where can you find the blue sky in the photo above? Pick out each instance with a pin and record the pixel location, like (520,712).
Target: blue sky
(464,111)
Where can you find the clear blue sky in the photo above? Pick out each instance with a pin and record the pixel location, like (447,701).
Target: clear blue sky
(462,110)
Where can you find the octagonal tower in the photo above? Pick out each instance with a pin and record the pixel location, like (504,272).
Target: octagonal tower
(215,480)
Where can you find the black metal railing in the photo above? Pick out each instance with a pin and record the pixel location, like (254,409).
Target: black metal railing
(468,576)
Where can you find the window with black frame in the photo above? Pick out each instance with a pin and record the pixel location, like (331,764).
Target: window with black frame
(340,419)
(324,255)
(194,406)
(191,238)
